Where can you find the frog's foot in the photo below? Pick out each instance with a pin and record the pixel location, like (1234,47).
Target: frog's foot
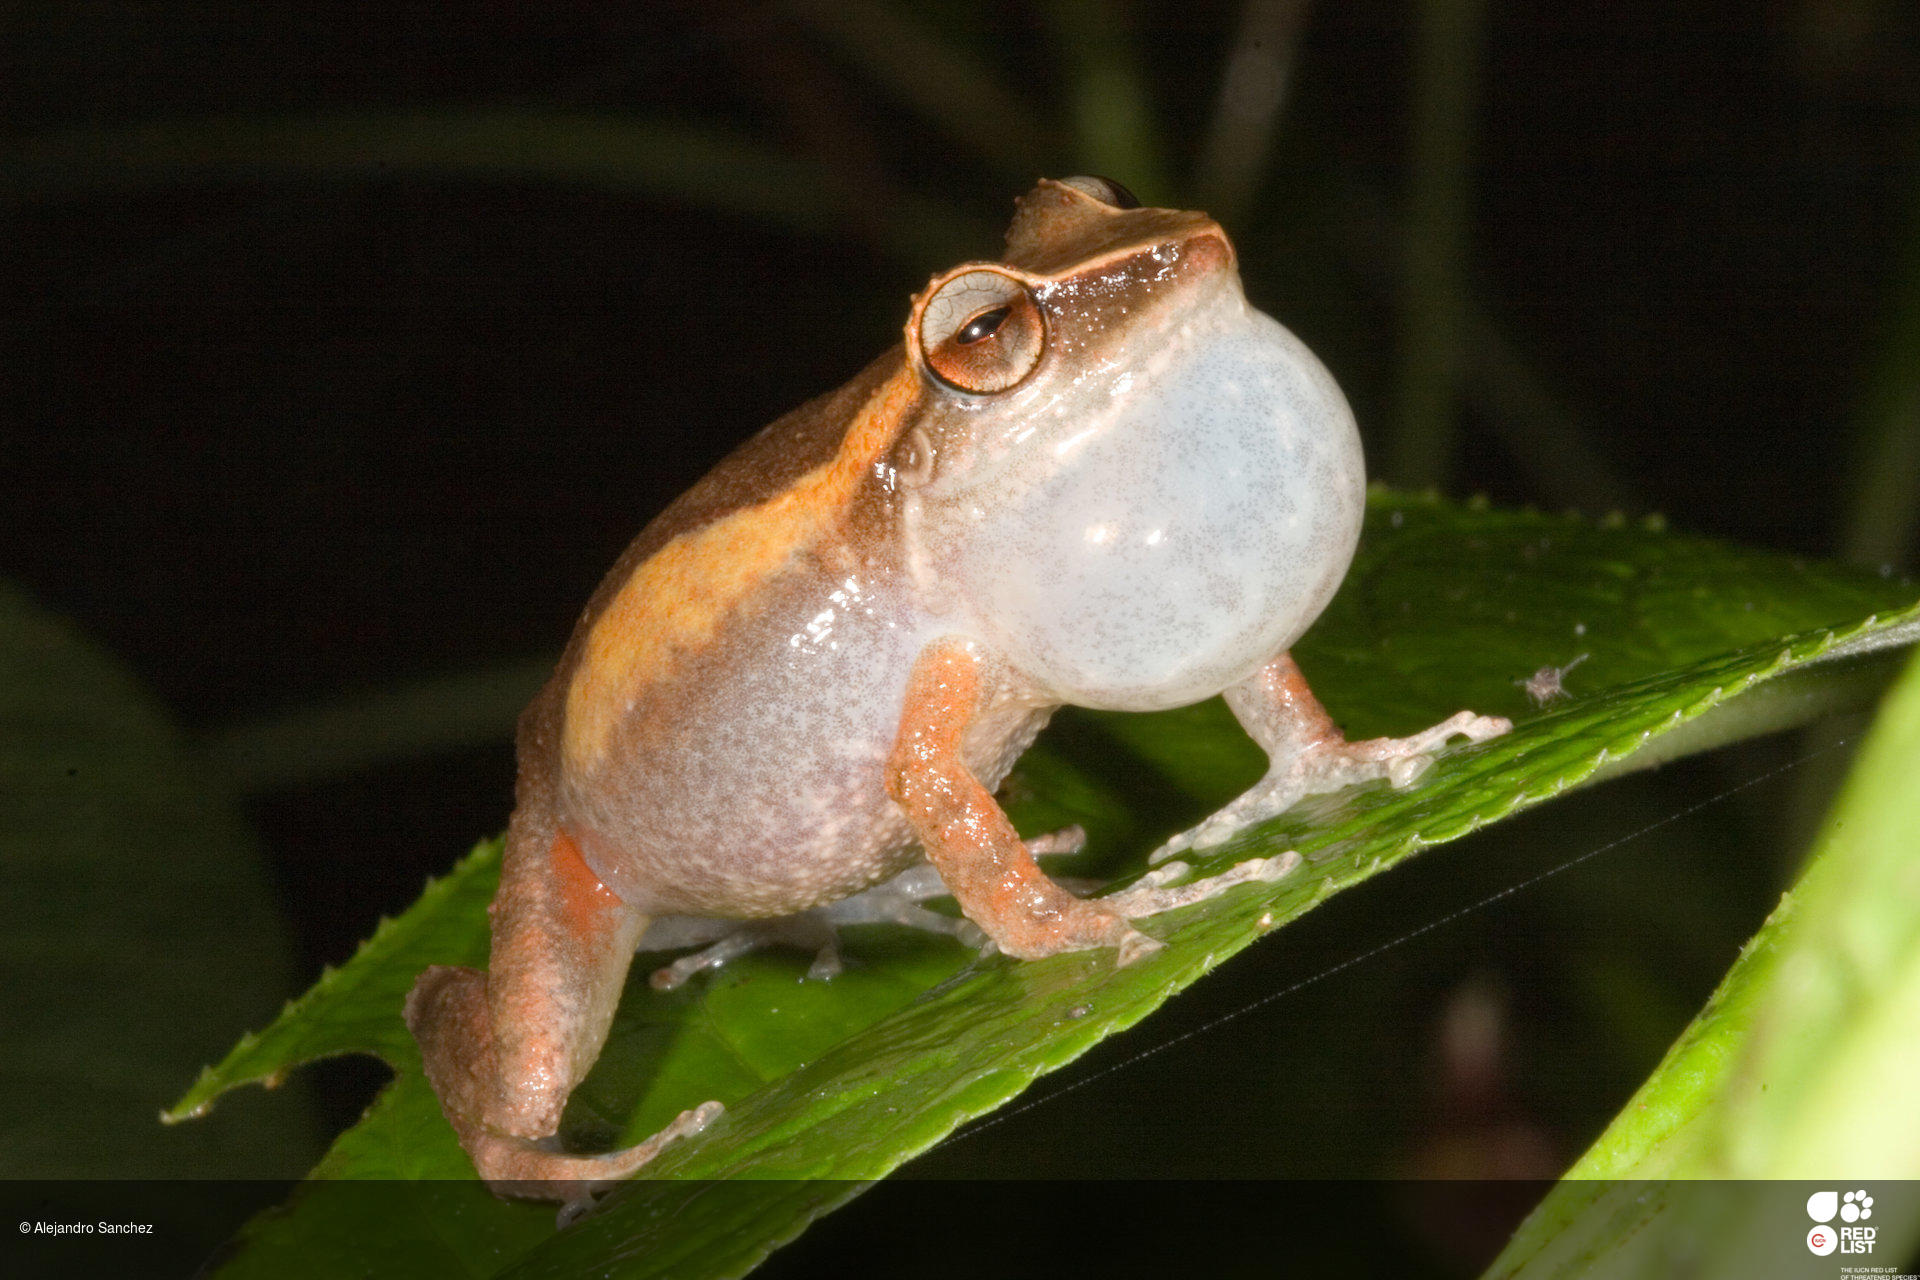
(1155,891)
(735,938)
(896,901)
(447,1012)
(531,1169)
(1328,765)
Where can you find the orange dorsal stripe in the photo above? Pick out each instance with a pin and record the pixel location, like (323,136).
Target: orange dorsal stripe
(677,599)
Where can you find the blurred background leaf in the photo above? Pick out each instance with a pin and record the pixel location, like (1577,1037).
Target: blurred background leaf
(1796,1077)
(137,925)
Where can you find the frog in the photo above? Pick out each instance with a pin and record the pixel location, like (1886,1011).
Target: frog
(1090,474)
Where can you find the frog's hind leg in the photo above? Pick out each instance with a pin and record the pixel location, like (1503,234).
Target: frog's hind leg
(504,1049)
(1307,754)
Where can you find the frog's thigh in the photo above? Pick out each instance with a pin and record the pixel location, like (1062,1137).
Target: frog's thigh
(562,942)
(966,834)
(503,1050)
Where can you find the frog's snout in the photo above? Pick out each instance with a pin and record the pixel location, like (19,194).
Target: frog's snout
(1207,251)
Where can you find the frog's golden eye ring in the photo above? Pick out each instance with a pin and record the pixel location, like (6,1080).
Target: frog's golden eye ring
(1105,190)
(981,331)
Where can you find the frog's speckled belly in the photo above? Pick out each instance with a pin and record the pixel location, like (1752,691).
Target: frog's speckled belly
(753,784)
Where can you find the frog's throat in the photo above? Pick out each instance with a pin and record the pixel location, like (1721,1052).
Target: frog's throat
(675,602)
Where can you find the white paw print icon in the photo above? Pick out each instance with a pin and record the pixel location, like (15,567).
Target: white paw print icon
(1856,1205)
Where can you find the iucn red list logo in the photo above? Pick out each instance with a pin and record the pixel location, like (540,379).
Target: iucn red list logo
(1825,1238)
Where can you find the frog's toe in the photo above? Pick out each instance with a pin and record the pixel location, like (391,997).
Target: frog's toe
(1401,761)
(1066,840)
(1268,798)
(827,964)
(1156,891)
(1135,946)
(745,940)
(1175,844)
(1405,771)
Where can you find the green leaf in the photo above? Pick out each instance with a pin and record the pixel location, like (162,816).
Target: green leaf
(136,927)
(353,1009)
(830,1085)
(1800,1067)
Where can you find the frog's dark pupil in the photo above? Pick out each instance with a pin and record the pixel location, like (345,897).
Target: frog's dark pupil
(981,326)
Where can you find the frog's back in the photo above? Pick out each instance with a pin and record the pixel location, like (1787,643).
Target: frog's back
(714,550)
(725,705)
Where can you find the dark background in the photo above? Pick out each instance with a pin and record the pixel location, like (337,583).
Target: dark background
(300,414)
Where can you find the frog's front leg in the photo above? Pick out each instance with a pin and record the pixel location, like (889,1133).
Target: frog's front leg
(966,834)
(1307,754)
(504,1049)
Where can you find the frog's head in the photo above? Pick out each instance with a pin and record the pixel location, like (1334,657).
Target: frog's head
(1088,277)
(1129,481)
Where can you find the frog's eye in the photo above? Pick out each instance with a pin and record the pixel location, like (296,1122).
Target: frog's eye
(981,331)
(1105,190)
